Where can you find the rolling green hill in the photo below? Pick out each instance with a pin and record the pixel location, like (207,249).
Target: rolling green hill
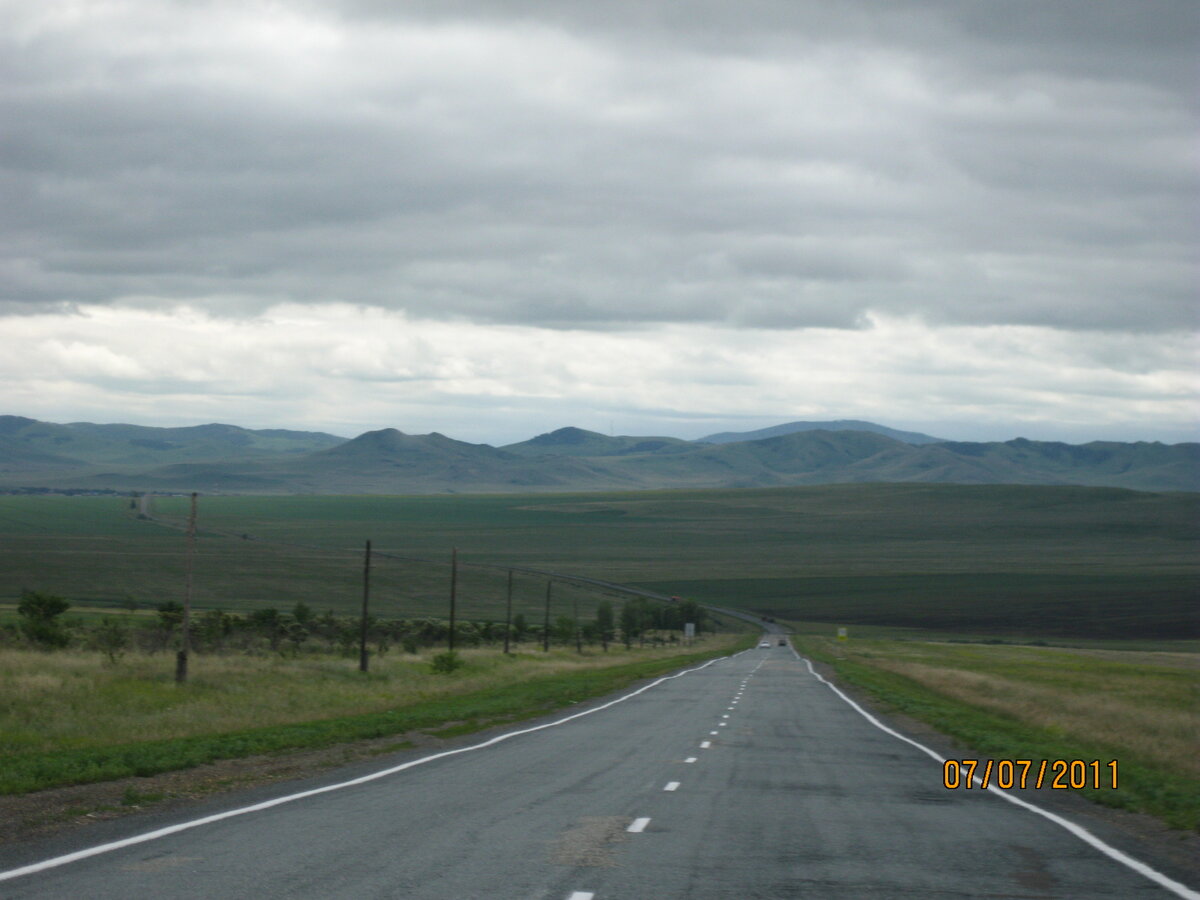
(577,442)
(226,459)
(87,444)
(907,437)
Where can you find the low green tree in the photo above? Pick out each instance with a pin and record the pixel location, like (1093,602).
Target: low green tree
(564,630)
(635,616)
(605,623)
(269,623)
(296,634)
(170,615)
(111,638)
(39,614)
(214,627)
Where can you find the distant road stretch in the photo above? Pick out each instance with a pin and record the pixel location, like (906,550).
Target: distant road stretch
(745,778)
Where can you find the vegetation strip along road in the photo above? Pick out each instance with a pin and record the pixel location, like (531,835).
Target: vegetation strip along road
(519,697)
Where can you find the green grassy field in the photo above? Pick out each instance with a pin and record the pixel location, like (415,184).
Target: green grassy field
(1137,707)
(1010,560)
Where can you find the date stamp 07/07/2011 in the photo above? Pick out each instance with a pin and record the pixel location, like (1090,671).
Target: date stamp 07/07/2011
(1059,774)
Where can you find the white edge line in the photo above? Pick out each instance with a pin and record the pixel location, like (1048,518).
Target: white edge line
(639,825)
(1181,890)
(57,861)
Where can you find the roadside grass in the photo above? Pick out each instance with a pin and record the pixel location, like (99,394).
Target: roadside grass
(1125,647)
(1010,702)
(74,719)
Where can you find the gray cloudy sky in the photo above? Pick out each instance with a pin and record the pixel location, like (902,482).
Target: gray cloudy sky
(493,219)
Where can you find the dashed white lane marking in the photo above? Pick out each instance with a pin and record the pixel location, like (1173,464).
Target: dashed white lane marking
(704,745)
(638,826)
(690,759)
(726,716)
(580,895)
(56,861)
(1180,890)
(671,786)
(722,724)
(714,732)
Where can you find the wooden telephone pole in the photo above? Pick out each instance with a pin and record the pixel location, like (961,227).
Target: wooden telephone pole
(578,630)
(508,613)
(185,625)
(546,623)
(362,636)
(453,592)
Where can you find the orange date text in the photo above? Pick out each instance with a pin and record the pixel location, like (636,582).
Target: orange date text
(1059,774)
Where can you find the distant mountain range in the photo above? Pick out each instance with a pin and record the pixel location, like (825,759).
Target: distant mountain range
(907,437)
(227,459)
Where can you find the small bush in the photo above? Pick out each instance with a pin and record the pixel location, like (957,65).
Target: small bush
(445,663)
(111,638)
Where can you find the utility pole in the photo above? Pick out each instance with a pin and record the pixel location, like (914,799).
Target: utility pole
(508,613)
(578,633)
(362,634)
(453,592)
(185,637)
(546,623)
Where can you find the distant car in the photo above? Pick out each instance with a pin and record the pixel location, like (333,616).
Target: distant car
(764,644)
(783,642)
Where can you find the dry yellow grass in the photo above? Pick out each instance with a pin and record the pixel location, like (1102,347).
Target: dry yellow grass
(1144,705)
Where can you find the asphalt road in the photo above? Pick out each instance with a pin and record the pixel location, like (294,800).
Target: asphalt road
(749,778)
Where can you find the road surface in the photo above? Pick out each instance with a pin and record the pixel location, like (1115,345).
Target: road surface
(747,778)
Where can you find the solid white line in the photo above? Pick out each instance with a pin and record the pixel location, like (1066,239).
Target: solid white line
(638,826)
(56,861)
(671,786)
(704,745)
(1180,890)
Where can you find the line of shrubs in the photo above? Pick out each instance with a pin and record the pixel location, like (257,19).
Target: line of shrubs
(42,625)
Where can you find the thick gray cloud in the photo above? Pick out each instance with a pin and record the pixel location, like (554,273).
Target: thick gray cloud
(765,164)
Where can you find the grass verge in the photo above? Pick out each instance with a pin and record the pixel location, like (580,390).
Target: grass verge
(1035,703)
(518,697)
